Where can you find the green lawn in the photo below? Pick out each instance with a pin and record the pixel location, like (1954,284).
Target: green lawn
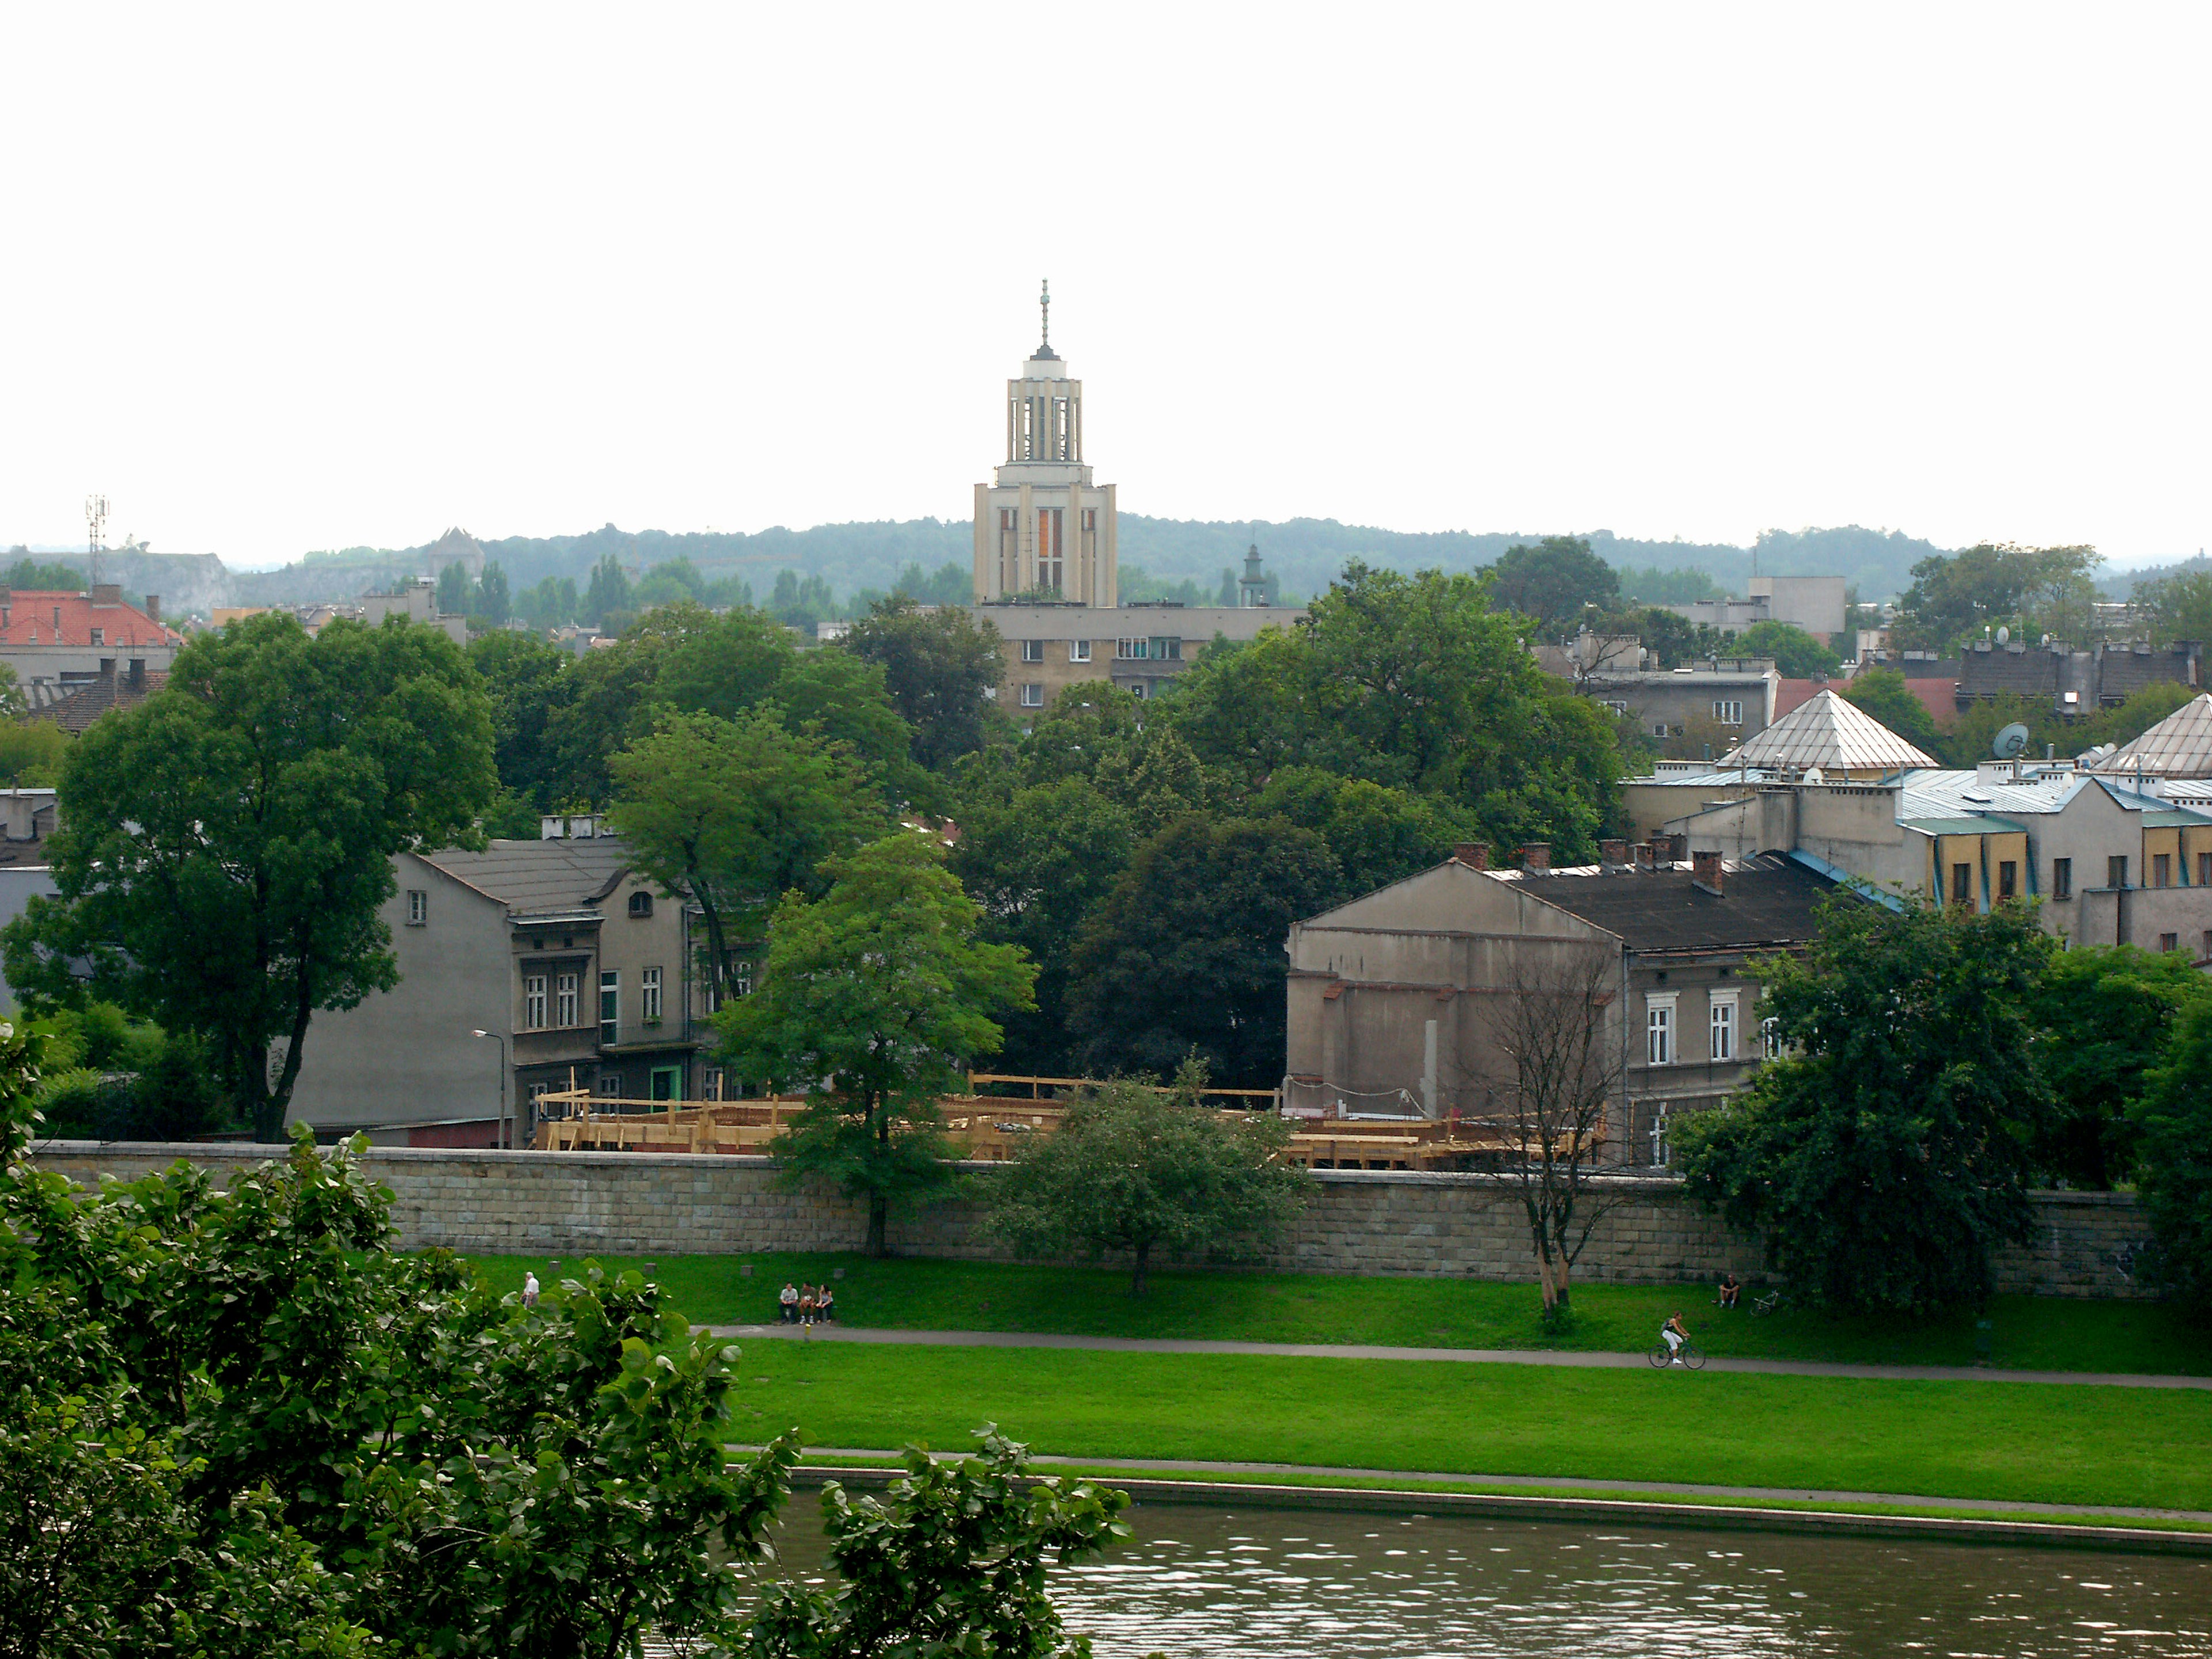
(2002,1442)
(2029,1333)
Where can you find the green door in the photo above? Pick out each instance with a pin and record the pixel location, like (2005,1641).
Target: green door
(668,1083)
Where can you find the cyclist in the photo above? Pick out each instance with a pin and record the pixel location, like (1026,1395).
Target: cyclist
(1675,1333)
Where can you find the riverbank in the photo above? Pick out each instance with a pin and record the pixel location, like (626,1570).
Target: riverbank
(2025,1333)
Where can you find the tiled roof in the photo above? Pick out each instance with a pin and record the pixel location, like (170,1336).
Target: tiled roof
(2179,746)
(42,618)
(1833,734)
(531,877)
(73,710)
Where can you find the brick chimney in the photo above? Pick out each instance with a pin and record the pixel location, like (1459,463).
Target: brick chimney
(1613,852)
(1472,853)
(153,606)
(1706,872)
(107,594)
(1677,846)
(1537,857)
(1647,856)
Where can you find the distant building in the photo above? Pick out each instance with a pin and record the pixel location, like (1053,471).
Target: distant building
(27,818)
(2073,682)
(62,639)
(1140,647)
(75,706)
(1815,603)
(1709,707)
(417,601)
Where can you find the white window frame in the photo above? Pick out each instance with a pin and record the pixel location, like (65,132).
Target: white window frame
(568,998)
(741,979)
(1658,728)
(648,995)
(1079,651)
(1722,1026)
(1729,711)
(1770,1037)
(1132,650)
(534,1002)
(610,985)
(1032,694)
(1659,1045)
(1616,705)
(1032,650)
(418,907)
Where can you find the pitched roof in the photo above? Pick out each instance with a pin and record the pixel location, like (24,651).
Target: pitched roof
(73,710)
(1766,901)
(2179,746)
(533,877)
(1831,733)
(45,617)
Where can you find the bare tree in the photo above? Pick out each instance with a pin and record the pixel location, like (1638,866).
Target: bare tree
(1563,1065)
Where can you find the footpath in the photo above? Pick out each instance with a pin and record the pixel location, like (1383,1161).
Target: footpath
(1447,1356)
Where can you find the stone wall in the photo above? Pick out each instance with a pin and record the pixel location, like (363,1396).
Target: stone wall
(1388,1222)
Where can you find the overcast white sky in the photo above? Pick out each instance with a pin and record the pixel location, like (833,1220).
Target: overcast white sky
(300,277)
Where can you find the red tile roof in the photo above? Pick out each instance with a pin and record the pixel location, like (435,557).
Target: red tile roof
(29,617)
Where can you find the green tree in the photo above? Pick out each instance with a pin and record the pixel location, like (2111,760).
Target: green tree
(1954,597)
(1378,835)
(525,678)
(1884,1157)
(1135,1169)
(1798,655)
(456,592)
(226,846)
(731,815)
(1185,954)
(32,753)
(1553,580)
(2105,1016)
(938,666)
(872,999)
(1883,694)
(607,595)
(2175,1120)
(801,602)
(493,601)
(2180,606)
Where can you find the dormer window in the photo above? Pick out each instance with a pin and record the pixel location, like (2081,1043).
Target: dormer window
(99,636)
(641,904)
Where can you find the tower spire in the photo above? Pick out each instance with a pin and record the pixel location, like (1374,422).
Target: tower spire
(1044,304)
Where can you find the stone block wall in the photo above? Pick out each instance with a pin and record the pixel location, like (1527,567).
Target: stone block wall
(1383,1222)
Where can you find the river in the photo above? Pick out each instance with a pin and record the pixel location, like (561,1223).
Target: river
(1201,1582)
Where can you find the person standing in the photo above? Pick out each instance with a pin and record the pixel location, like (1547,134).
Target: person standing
(529,1290)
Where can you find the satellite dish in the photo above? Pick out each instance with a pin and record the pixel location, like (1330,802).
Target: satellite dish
(2010,741)
(2004,637)
(1815,775)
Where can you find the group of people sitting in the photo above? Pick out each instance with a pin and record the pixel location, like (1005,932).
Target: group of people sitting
(806,1304)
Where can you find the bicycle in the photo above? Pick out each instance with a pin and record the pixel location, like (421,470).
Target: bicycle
(1689,1353)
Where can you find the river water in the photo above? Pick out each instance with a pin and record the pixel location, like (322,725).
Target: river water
(1305,1584)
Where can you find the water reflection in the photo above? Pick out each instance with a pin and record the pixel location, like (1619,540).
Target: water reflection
(1291,1584)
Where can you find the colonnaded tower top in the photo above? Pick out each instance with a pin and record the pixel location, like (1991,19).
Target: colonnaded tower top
(1044,532)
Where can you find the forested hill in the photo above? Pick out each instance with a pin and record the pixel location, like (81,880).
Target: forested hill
(1304,554)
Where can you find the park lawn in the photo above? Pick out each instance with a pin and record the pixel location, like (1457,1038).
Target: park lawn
(2027,1333)
(1997,1442)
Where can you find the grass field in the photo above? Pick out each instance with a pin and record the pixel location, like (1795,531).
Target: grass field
(1995,1441)
(2027,1333)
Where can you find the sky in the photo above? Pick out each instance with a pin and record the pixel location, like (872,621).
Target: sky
(293,278)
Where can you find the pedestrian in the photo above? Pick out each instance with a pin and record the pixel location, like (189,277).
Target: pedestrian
(788,1300)
(529,1290)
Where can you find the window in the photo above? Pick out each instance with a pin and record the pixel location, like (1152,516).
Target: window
(648,995)
(2008,880)
(1659,1028)
(2204,869)
(99,634)
(418,907)
(1659,1153)
(1723,1027)
(1137,689)
(608,1086)
(2169,941)
(714,1083)
(1617,707)
(1032,650)
(2115,871)
(1769,1037)
(1962,884)
(564,1001)
(1729,711)
(2161,870)
(534,1002)
(2061,877)
(1658,728)
(1050,549)
(1032,695)
(610,1006)
(741,979)
(1079,651)
(641,904)
(1131,650)
(1010,556)
(1166,650)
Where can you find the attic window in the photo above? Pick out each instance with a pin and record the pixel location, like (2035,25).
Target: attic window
(640,904)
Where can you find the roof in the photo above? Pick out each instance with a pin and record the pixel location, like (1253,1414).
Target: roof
(1766,901)
(1945,793)
(30,618)
(539,878)
(1831,733)
(1976,825)
(73,710)
(2179,746)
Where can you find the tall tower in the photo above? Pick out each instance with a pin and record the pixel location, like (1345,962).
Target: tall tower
(1043,531)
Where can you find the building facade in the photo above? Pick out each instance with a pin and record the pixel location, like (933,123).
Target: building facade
(64,641)
(1140,647)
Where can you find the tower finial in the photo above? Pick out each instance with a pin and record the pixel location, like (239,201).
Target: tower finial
(1044,303)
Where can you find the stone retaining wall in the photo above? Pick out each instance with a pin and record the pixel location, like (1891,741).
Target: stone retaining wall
(1374,1221)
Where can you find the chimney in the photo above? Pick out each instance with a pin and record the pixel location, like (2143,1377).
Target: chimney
(1706,872)
(1647,856)
(1613,852)
(1677,846)
(1473,855)
(138,674)
(107,594)
(153,606)
(107,668)
(1537,857)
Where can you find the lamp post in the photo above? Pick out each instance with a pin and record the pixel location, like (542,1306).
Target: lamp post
(506,1137)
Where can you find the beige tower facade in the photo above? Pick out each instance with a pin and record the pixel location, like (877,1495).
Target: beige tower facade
(1043,531)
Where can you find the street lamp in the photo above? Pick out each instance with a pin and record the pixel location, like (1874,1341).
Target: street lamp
(506,1137)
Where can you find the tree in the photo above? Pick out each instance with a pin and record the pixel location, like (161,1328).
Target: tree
(939,667)
(30,754)
(2175,1120)
(1137,1169)
(1378,835)
(1553,1028)
(1953,598)
(731,815)
(1798,655)
(1186,953)
(2180,606)
(456,594)
(226,846)
(1883,694)
(525,678)
(1553,580)
(1883,1157)
(607,595)
(872,999)
(2105,1016)
(493,601)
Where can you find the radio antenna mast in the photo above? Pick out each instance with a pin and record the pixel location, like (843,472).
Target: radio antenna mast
(95,520)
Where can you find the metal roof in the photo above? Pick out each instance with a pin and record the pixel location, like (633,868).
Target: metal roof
(1967,826)
(2179,746)
(1948,794)
(1828,732)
